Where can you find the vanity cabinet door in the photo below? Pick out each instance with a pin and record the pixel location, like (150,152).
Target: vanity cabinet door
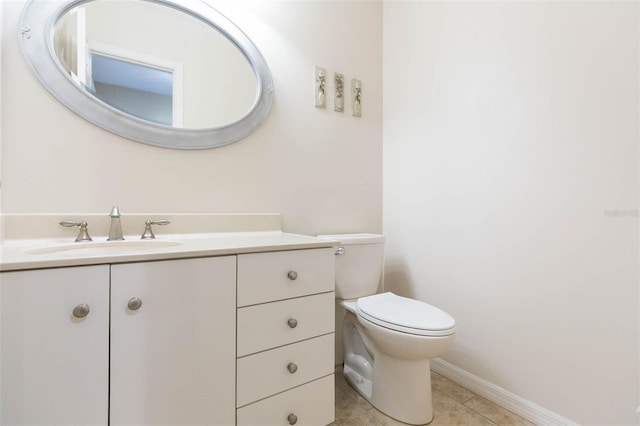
(173,342)
(54,328)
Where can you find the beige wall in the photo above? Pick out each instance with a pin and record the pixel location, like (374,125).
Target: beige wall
(510,128)
(321,169)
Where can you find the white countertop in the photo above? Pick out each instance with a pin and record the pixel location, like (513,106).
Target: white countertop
(14,254)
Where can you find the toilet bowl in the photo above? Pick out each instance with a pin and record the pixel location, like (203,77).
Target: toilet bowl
(388,340)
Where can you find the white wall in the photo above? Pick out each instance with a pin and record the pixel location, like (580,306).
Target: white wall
(321,169)
(509,129)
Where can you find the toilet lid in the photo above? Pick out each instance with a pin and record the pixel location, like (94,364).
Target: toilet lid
(405,315)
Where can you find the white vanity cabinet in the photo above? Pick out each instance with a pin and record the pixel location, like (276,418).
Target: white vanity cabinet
(161,353)
(285,338)
(222,338)
(54,363)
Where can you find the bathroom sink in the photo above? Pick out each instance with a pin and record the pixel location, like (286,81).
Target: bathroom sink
(104,248)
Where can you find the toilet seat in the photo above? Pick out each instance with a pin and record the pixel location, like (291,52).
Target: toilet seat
(405,315)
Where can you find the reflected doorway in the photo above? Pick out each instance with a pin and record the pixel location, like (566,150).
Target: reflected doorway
(138,89)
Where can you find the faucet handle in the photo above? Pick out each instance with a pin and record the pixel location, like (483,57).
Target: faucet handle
(148,233)
(70,223)
(84,234)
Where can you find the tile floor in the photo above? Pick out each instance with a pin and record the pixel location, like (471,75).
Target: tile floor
(452,405)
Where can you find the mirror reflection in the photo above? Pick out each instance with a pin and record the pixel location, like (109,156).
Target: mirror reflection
(155,63)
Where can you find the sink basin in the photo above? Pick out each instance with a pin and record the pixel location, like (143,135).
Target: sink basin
(104,248)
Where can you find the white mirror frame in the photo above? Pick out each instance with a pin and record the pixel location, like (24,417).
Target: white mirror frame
(37,25)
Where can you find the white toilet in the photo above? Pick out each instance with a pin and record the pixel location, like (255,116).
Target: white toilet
(388,340)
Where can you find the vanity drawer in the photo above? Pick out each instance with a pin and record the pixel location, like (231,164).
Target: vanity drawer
(268,325)
(266,373)
(311,404)
(265,277)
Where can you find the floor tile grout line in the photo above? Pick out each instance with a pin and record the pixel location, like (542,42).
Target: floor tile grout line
(507,411)
(445,395)
(480,414)
(470,398)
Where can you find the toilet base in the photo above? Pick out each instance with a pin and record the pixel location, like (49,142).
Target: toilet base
(402,390)
(405,395)
(357,381)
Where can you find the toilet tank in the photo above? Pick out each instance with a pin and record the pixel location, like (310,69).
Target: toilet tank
(359,267)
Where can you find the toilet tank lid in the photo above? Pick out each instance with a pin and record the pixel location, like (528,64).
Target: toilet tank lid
(347,239)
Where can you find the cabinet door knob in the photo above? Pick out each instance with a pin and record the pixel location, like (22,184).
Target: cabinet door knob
(292,367)
(134,303)
(81,311)
(293,275)
(292,418)
(293,323)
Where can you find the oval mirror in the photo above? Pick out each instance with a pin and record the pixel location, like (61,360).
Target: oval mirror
(169,73)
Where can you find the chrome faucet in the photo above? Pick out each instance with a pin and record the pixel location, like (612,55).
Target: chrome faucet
(148,232)
(115,231)
(83,235)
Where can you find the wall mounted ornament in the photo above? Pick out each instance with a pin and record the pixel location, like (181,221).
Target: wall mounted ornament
(356,98)
(338,95)
(320,77)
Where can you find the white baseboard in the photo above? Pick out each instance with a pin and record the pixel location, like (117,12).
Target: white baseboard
(512,402)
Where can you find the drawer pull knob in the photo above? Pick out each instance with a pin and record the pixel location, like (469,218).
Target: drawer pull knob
(293,275)
(293,323)
(292,418)
(81,311)
(134,303)
(292,367)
